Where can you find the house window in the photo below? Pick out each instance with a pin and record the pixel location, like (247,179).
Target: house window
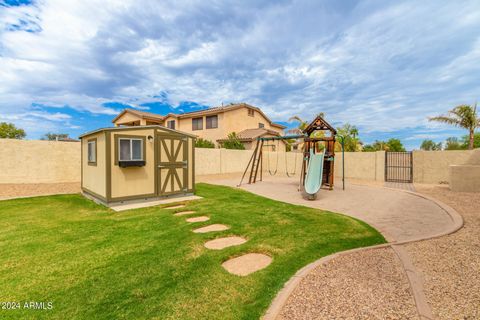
(130,149)
(197,124)
(92,152)
(171,124)
(212,122)
(261,125)
(251,112)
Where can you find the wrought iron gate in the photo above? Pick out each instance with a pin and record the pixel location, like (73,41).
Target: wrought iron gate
(399,167)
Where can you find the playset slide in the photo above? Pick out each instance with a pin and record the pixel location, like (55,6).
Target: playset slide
(313,180)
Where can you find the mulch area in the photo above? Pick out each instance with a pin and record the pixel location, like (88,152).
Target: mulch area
(369,284)
(450,265)
(10,190)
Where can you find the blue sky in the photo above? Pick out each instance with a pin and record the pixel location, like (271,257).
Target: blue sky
(384,66)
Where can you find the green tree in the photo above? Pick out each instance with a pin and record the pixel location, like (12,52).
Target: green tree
(391,145)
(394,144)
(452,143)
(463,116)
(10,131)
(204,143)
(466,141)
(54,136)
(378,145)
(430,145)
(233,142)
(350,135)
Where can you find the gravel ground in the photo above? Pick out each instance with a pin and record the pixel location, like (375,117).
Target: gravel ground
(368,284)
(450,265)
(8,190)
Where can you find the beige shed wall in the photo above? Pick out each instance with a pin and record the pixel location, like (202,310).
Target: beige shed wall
(132,181)
(94,178)
(36,161)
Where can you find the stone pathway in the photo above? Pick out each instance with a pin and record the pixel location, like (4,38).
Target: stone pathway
(183,213)
(222,243)
(211,228)
(247,264)
(198,219)
(240,266)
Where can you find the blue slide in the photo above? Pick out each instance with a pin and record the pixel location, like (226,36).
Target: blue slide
(313,180)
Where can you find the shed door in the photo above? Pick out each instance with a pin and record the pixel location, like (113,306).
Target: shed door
(172,164)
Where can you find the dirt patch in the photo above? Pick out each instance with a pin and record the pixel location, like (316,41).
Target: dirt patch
(175,207)
(211,228)
(368,284)
(14,190)
(198,219)
(221,243)
(183,213)
(247,264)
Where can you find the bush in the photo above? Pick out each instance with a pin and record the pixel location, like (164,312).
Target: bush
(204,143)
(233,142)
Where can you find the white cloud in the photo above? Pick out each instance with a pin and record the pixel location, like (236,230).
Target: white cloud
(384,66)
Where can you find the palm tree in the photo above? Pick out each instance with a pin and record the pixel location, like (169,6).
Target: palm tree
(463,116)
(301,123)
(301,126)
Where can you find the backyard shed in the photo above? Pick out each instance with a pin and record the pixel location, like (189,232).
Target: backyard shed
(134,163)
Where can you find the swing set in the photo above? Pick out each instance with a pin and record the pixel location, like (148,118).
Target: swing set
(277,148)
(319,139)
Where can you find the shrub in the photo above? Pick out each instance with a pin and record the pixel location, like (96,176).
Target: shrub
(233,142)
(204,143)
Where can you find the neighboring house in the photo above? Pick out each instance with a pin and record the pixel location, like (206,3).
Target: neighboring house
(248,138)
(212,124)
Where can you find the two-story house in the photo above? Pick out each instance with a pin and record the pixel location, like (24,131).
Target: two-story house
(213,124)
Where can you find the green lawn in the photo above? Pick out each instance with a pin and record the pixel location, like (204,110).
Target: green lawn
(93,263)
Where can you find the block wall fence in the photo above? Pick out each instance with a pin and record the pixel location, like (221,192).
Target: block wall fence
(35,161)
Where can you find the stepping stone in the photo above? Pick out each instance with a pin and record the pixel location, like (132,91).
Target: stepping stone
(246,264)
(183,213)
(175,207)
(198,219)
(211,228)
(221,243)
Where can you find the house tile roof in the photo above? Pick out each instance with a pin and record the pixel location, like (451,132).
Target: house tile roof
(252,134)
(209,111)
(142,114)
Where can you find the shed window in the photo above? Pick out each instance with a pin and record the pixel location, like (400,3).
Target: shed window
(261,125)
(171,124)
(197,124)
(212,122)
(251,112)
(92,151)
(130,149)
